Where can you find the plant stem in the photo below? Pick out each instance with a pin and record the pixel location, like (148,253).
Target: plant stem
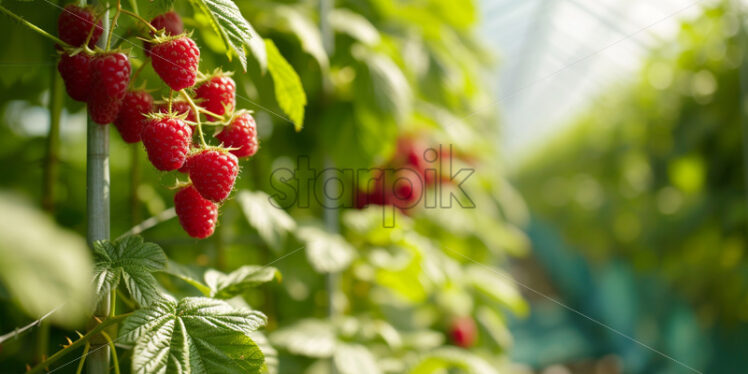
(141,19)
(83,358)
(97,209)
(134,5)
(56,100)
(113,25)
(115,361)
(197,116)
(81,341)
(33,26)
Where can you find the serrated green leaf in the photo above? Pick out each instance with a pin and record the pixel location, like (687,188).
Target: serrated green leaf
(226,286)
(288,89)
(227,20)
(271,222)
(132,261)
(195,335)
(326,252)
(309,337)
(355,359)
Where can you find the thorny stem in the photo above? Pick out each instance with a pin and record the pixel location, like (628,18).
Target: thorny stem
(197,115)
(81,341)
(115,361)
(33,26)
(83,358)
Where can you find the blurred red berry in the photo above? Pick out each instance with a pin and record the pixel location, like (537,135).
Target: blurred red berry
(75,23)
(463,332)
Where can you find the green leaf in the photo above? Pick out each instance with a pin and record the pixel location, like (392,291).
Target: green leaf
(235,31)
(195,335)
(129,260)
(188,275)
(497,286)
(309,337)
(326,252)
(392,93)
(43,266)
(355,359)
(223,286)
(442,359)
(305,30)
(270,353)
(355,25)
(288,89)
(270,221)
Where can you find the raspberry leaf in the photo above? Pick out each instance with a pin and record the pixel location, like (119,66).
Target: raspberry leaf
(262,212)
(226,286)
(236,33)
(308,337)
(132,261)
(194,335)
(326,252)
(288,89)
(355,359)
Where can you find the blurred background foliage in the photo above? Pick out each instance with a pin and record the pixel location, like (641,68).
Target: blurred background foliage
(639,212)
(386,70)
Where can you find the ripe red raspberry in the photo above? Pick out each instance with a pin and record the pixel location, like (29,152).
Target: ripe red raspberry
(179,107)
(167,142)
(75,23)
(197,215)
(241,133)
(110,75)
(463,332)
(213,173)
(217,95)
(175,60)
(407,188)
(131,118)
(170,22)
(76,73)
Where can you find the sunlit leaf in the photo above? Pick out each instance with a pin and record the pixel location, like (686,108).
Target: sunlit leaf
(194,335)
(326,252)
(225,286)
(131,261)
(355,359)
(288,89)
(309,337)
(271,222)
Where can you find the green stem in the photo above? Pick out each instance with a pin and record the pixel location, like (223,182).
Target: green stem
(83,358)
(76,344)
(134,5)
(134,184)
(115,361)
(33,26)
(130,304)
(51,157)
(197,116)
(112,302)
(113,25)
(141,19)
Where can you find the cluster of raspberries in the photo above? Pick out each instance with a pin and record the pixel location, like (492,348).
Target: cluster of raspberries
(102,80)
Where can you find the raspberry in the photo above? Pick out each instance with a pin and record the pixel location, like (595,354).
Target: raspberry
(110,75)
(407,188)
(175,60)
(76,72)
(167,142)
(241,133)
(75,23)
(463,332)
(170,22)
(179,107)
(131,118)
(213,173)
(217,95)
(197,215)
